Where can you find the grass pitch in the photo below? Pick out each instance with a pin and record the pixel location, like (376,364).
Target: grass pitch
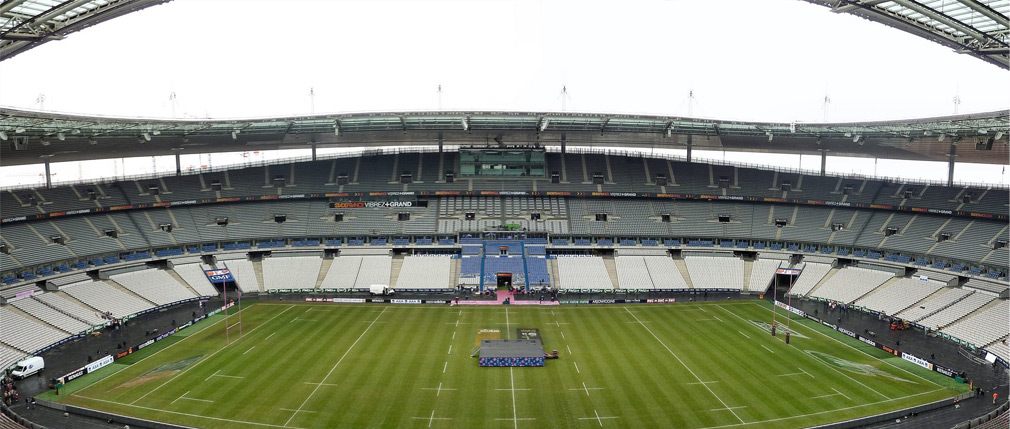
(704,365)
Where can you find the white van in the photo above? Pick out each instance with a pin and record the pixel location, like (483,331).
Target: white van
(380,290)
(28,367)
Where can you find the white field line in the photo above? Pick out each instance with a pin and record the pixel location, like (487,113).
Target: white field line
(334,367)
(159,351)
(796,416)
(766,348)
(728,408)
(790,374)
(586,388)
(247,351)
(182,414)
(450,350)
(825,396)
(805,372)
(294,410)
(268,336)
(507,323)
(863,352)
(512,381)
(568,348)
(821,362)
(180,397)
(840,393)
(744,335)
(210,356)
(320,384)
(577,367)
(702,382)
(685,366)
(444,366)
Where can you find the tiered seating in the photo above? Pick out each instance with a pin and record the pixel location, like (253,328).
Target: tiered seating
(469,270)
(10,356)
(106,298)
(851,283)
(244,273)
(583,272)
(537,275)
(811,274)
(632,273)
(958,310)
(27,335)
(424,272)
(156,286)
(294,272)
(982,326)
(762,273)
(495,264)
(51,316)
(63,303)
(898,295)
(649,272)
(715,272)
(999,348)
(934,303)
(665,274)
(357,272)
(194,275)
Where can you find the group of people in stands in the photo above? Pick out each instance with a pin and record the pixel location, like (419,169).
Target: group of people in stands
(10,393)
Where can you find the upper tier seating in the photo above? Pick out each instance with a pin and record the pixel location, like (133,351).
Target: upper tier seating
(64,303)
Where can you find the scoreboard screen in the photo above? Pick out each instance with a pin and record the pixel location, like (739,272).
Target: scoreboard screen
(502,163)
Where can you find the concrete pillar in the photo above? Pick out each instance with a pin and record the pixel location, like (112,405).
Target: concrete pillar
(950,164)
(49,177)
(824,162)
(564,141)
(178,162)
(690,143)
(440,140)
(313,152)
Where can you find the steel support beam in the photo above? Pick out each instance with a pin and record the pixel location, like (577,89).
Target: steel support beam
(49,176)
(440,142)
(564,141)
(824,162)
(950,164)
(178,162)
(690,145)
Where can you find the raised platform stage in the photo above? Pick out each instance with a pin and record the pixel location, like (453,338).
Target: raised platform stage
(511,353)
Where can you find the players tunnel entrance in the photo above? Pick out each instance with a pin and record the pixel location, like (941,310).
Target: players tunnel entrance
(504,280)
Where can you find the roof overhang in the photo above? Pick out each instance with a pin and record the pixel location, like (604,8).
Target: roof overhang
(29,137)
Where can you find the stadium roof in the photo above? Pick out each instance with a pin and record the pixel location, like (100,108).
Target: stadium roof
(25,24)
(29,137)
(975,27)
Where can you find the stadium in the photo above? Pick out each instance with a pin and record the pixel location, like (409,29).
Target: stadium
(503,268)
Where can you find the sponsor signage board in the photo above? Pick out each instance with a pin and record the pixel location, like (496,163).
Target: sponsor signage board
(220,276)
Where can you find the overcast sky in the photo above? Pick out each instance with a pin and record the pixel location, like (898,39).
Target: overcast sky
(768,60)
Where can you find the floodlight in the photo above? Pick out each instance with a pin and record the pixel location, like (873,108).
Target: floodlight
(999,135)
(61,136)
(941,137)
(3,135)
(543,125)
(983,131)
(146,137)
(234,135)
(856,138)
(19,130)
(466,124)
(770,136)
